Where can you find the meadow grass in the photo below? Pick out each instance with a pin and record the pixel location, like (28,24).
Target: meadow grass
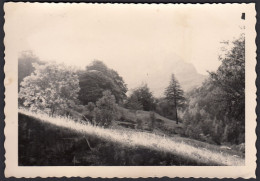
(133,138)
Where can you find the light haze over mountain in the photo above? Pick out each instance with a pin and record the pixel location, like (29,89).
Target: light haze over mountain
(158,79)
(140,42)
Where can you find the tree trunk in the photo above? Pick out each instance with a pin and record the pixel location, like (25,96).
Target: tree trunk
(177,121)
(175,101)
(52,110)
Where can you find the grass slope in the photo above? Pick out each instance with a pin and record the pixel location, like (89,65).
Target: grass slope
(163,126)
(158,147)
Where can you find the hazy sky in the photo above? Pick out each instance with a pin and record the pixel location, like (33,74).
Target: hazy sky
(132,39)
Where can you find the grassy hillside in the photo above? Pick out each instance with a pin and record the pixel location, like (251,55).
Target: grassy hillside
(45,140)
(142,120)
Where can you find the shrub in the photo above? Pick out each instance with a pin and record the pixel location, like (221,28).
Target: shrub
(105,110)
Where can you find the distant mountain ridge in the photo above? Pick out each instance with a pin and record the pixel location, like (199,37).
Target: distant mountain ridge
(156,76)
(190,78)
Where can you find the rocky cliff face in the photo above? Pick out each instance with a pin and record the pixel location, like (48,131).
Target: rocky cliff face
(185,73)
(188,77)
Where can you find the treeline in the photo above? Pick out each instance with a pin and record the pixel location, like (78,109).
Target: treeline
(214,112)
(94,92)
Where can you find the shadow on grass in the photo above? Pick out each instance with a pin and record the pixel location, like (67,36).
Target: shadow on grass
(43,144)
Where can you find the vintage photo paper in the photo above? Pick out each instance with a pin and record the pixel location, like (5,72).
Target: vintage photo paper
(130,90)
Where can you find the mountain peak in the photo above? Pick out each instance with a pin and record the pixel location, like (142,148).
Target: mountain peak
(185,73)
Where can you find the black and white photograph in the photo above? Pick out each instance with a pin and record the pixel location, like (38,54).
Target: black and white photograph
(130,85)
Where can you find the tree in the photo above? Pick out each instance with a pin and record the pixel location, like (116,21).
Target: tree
(163,108)
(175,95)
(142,95)
(25,65)
(230,79)
(133,103)
(106,109)
(222,97)
(51,87)
(98,78)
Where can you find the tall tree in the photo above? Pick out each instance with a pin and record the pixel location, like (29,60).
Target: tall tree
(51,87)
(175,95)
(230,79)
(98,78)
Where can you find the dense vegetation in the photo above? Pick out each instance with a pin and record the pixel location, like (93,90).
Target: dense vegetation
(98,78)
(141,99)
(216,110)
(213,112)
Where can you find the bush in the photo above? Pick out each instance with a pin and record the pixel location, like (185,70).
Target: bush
(105,110)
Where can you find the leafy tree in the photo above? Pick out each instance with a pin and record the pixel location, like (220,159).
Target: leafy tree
(25,65)
(51,87)
(222,98)
(163,108)
(106,109)
(133,103)
(98,78)
(175,95)
(230,79)
(142,95)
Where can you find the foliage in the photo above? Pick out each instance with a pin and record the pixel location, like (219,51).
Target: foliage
(88,113)
(98,78)
(133,103)
(106,109)
(90,106)
(175,95)
(230,79)
(163,108)
(51,87)
(141,97)
(217,108)
(25,65)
